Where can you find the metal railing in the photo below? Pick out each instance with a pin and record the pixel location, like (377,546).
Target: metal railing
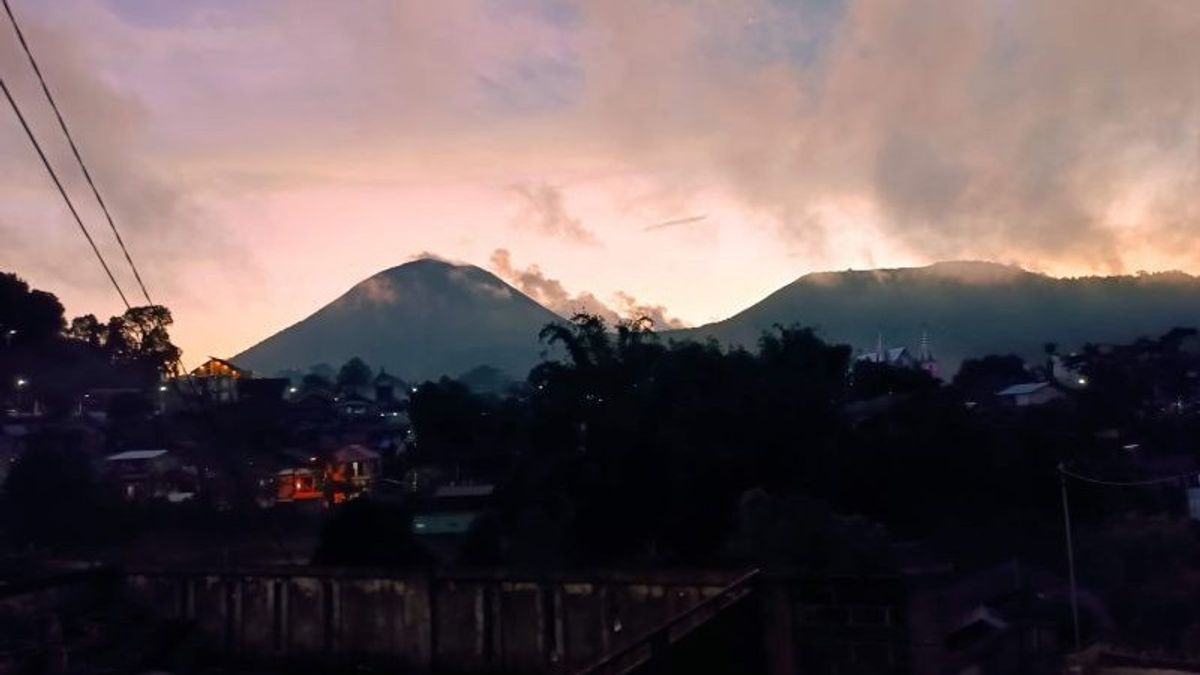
(654,645)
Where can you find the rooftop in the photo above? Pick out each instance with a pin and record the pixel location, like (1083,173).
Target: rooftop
(355,453)
(135,455)
(1023,389)
(464,491)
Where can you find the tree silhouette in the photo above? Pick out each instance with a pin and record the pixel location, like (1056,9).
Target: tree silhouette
(354,374)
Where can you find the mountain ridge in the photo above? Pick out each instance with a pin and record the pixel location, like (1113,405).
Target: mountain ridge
(967,309)
(427,317)
(422,319)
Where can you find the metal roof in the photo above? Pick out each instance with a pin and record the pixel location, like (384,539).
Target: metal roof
(355,453)
(1023,389)
(464,491)
(890,355)
(444,523)
(132,455)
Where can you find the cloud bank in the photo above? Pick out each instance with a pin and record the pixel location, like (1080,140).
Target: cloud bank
(235,139)
(550,293)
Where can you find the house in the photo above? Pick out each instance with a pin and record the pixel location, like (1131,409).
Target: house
(396,417)
(96,403)
(892,356)
(218,379)
(144,474)
(389,389)
(261,389)
(314,404)
(1067,373)
(452,509)
(350,470)
(299,476)
(298,485)
(902,357)
(1029,394)
(353,405)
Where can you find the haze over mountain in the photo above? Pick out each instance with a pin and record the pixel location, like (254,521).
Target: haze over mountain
(429,318)
(423,319)
(968,308)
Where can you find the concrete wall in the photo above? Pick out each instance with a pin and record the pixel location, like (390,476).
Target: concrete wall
(420,621)
(443,621)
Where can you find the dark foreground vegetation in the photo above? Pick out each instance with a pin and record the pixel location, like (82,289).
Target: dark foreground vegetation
(624,450)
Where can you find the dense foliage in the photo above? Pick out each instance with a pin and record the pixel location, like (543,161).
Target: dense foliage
(56,361)
(623,448)
(633,450)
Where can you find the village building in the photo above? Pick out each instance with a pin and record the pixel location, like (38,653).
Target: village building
(1029,394)
(147,474)
(1067,372)
(389,389)
(354,405)
(262,389)
(452,509)
(351,470)
(218,379)
(298,485)
(892,356)
(902,357)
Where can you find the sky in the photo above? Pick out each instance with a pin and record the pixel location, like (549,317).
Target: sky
(682,158)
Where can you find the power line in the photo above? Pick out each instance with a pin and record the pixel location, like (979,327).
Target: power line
(1131,483)
(1063,474)
(57,183)
(95,192)
(75,150)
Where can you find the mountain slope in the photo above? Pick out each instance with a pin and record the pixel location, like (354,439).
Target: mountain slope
(968,309)
(420,320)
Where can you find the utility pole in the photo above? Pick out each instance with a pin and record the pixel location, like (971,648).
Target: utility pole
(1063,474)
(1062,481)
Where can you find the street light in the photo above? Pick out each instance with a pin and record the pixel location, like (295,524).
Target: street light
(8,336)
(21,383)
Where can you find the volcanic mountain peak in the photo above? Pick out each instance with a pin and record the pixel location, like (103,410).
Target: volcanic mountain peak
(423,319)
